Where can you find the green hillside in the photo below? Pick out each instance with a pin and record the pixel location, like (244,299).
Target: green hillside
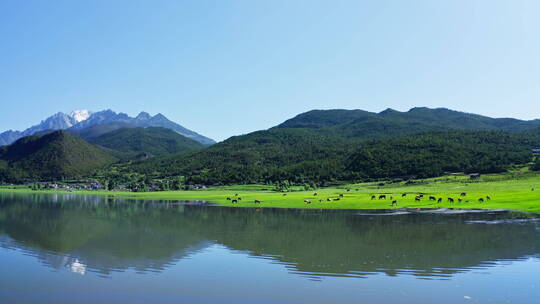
(55,155)
(436,152)
(391,123)
(330,145)
(153,141)
(305,156)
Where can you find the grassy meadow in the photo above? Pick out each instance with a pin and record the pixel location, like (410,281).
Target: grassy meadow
(516,191)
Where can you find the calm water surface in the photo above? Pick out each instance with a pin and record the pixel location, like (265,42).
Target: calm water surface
(90,249)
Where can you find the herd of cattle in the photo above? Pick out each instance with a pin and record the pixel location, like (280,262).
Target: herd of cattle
(418,197)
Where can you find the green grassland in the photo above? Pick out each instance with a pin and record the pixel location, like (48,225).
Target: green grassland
(516,191)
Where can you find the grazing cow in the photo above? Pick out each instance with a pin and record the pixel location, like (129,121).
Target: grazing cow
(336,199)
(329,199)
(373,197)
(421,195)
(394,203)
(239,198)
(463,193)
(382,196)
(451,200)
(228,198)
(432,198)
(321,200)
(460,200)
(439,200)
(234,201)
(417,198)
(481,200)
(315,194)
(348,190)
(284,194)
(257,201)
(307,201)
(236,194)
(404,194)
(341,195)
(488,198)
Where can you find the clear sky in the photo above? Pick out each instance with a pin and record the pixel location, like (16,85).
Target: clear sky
(225,68)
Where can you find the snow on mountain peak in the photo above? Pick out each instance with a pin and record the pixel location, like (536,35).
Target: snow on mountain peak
(80,115)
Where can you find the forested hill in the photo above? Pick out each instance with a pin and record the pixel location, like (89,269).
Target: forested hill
(303,155)
(54,155)
(154,141)
(391,123)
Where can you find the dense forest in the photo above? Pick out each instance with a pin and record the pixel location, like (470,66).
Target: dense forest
(152,141)
(302,156)
(54,155)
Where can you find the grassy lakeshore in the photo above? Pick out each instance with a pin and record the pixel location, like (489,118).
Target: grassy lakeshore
(516,191)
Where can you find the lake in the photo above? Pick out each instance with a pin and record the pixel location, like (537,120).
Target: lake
(57,248)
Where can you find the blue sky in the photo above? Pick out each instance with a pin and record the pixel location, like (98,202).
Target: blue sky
(225,68)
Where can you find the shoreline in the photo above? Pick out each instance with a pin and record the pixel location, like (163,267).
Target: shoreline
(357,201)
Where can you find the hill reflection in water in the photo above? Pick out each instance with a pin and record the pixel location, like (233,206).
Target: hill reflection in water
(103,235)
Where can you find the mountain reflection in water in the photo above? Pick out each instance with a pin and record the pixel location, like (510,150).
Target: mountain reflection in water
(104,235)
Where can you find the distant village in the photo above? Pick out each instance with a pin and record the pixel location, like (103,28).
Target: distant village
(158,185)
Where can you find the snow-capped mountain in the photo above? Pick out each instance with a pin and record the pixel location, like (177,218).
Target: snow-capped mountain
(80,115)
(79,121)
(58,121)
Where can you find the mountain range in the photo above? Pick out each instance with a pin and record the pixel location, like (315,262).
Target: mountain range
(86,122)
(318,146)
